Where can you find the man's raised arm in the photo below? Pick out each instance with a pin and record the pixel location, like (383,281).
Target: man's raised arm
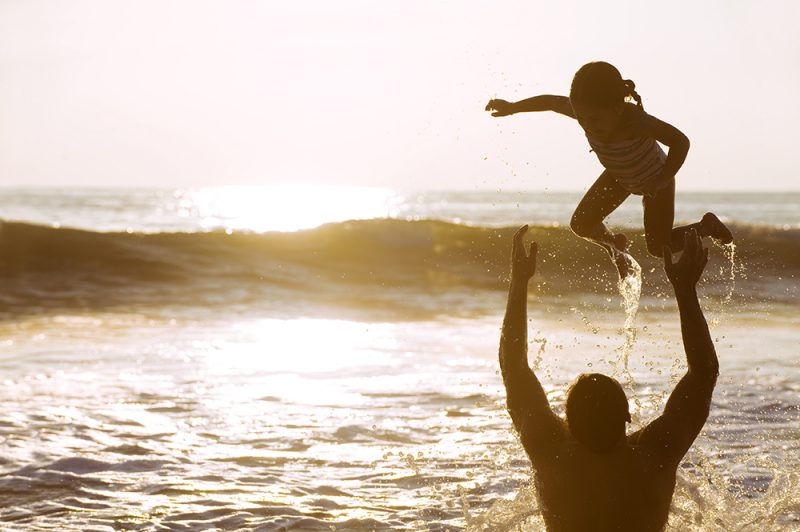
(687,409)
(530,411)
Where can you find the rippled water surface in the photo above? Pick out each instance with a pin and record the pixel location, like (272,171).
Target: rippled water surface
(165,365)
(144,422)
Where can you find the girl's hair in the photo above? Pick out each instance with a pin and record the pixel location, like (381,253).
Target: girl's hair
(601,85)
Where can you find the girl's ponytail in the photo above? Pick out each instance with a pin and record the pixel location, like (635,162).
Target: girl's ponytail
(630,91)
(600,84)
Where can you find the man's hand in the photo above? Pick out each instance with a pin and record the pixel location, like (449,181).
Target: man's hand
(500,107)
(523,264)
(539,428)
(670,435)
(687,271)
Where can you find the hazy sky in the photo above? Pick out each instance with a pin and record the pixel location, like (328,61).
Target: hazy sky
(389,93)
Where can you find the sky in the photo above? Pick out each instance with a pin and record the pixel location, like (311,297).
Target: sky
(357,92)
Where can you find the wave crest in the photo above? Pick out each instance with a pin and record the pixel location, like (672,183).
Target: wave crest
(379,263)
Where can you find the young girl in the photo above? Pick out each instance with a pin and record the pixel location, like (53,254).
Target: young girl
(624,138)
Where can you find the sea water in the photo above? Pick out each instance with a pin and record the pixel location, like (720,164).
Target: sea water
(188,359)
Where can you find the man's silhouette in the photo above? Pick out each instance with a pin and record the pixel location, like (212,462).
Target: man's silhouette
(590,475)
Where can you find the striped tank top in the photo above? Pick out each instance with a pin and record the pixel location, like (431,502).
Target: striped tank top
(633,163)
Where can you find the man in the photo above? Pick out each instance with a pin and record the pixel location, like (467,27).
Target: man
(590,475)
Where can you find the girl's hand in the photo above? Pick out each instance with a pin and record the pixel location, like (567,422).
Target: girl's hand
(500,107)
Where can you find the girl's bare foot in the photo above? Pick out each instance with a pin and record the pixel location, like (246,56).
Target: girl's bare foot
(713,227)
(620,242)
(616,250)
(623,264)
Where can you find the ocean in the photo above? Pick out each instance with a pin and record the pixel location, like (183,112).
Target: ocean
(325,358)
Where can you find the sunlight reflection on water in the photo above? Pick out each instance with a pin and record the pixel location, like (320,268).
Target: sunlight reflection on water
(282,208)
(327,422)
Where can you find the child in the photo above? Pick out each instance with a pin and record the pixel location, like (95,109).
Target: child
(624,138)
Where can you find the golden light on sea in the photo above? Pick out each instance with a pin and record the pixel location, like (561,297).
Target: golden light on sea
(282,208)
(288,349)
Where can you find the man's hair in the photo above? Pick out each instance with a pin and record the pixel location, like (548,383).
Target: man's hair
(597,410)
(600,84)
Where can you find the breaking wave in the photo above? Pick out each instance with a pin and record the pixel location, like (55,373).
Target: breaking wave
(376,264)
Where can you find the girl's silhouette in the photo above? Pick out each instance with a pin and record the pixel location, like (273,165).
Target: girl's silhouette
(626,141)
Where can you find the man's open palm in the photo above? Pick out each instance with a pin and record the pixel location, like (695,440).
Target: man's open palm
(523,264)
(687,271)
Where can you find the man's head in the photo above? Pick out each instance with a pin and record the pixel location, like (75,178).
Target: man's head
(597,411)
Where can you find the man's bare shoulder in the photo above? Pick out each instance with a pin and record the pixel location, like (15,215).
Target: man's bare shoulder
(650,449)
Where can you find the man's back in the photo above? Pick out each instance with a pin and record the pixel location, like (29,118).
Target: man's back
(622,489)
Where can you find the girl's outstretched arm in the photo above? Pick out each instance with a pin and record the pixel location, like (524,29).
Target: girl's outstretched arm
(544,102)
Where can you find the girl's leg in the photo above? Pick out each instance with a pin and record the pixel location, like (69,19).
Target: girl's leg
(602,198)
(659,214)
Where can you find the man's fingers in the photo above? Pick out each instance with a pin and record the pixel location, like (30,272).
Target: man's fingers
(700,247)
(689,242)
(516,247)
(534,250)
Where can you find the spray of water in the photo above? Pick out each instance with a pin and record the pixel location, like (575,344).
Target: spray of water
(630,288)
(518,514)
(542,341)
(703,501)
(736,270)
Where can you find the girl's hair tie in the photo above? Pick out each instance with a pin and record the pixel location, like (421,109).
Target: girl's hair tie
(630,90)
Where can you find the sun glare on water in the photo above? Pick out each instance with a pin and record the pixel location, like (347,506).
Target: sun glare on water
(284,352)
(284,208)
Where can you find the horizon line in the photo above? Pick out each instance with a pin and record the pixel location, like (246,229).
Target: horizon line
(399,189)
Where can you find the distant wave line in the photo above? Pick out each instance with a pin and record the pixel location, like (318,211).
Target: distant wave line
(344,262)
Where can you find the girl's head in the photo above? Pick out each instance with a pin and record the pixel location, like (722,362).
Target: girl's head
(598,94)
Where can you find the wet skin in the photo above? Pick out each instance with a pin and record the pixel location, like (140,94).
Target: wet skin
(630,486)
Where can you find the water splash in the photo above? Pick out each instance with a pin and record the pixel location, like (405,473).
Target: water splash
(585,319)
(542,341)
(630,288)
(736,269)
(518,514)
(703,501)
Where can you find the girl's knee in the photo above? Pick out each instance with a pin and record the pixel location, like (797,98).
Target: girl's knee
(655,251)
(579,224)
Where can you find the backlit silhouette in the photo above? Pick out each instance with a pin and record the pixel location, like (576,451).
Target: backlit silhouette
(626,140)
(589,474)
